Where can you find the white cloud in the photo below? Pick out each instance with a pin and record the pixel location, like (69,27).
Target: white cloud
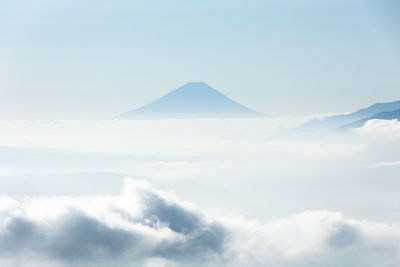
(389,130)
(147,227)
(140,224)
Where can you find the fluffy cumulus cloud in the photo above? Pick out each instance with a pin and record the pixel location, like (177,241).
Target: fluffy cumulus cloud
(134,227)
(146,227)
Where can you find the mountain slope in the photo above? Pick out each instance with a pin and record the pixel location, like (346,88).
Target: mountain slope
(388,115)
(193,100)
(333,122)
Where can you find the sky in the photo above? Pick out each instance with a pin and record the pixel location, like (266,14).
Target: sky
(96,59)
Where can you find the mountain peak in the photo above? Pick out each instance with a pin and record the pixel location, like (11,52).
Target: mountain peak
(201,83)
(192,100)
(195,86)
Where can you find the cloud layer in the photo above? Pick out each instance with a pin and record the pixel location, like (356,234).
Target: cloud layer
(146,227)
(240,164)
(186,138)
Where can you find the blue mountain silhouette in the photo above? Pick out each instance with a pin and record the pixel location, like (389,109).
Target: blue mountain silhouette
(193,100)
(388,115)
(334,122)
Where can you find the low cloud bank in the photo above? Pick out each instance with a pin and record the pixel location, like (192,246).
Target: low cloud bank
(175,138)
(388,129)
(147,227)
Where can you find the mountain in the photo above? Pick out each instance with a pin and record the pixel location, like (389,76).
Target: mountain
(333,122)
(193,100)
(388,115)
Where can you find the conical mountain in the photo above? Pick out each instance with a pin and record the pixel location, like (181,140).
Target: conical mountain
(193,100)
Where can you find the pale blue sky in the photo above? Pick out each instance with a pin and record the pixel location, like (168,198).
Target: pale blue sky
(95,59)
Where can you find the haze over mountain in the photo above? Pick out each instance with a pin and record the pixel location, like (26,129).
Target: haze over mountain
(192,100)
(337,121)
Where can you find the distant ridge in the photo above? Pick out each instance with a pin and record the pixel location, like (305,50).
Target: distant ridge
(388,115)
(192,100)
(343,120)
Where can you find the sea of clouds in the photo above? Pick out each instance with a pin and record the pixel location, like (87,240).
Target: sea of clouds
(203,193)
